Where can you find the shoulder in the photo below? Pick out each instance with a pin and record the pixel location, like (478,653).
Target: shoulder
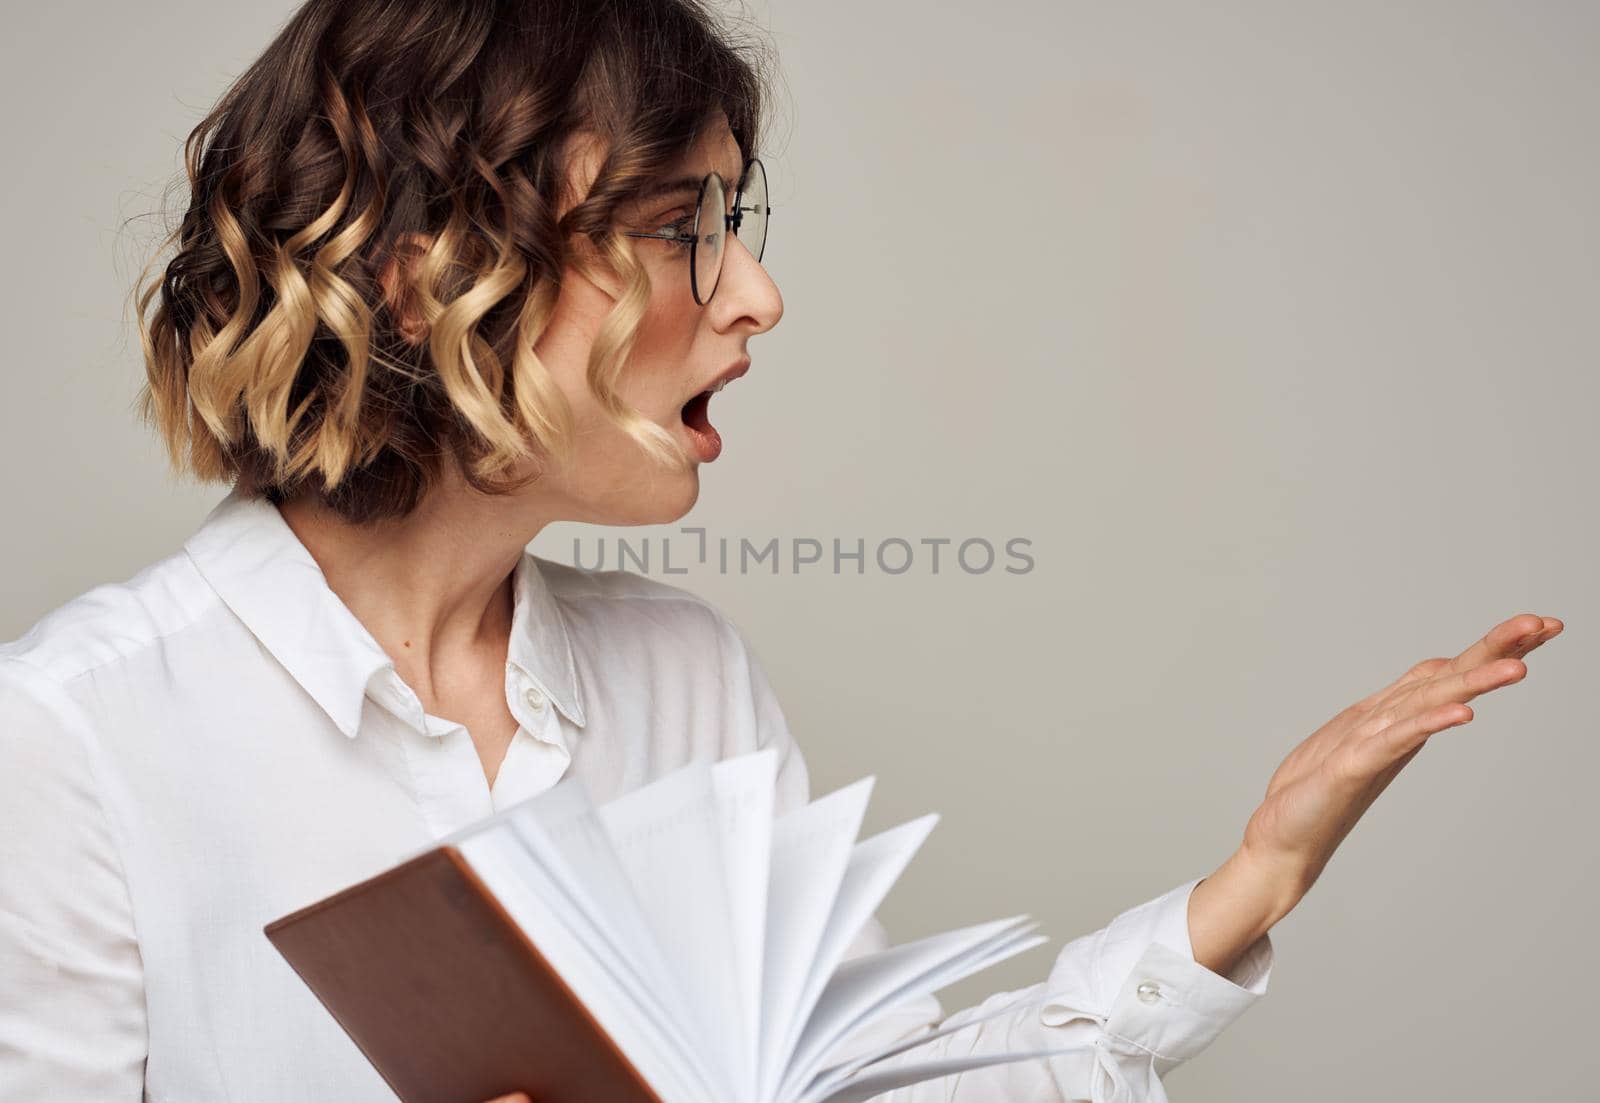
(108,624)
(626,626)
(77,672)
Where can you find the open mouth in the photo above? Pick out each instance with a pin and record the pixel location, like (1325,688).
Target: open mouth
(694,412)
(708,441)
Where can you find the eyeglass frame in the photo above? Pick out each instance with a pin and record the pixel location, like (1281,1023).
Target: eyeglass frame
(731,224)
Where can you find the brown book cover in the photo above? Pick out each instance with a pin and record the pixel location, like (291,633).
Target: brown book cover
(445,994)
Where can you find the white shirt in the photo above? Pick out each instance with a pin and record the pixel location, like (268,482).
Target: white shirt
(217,741)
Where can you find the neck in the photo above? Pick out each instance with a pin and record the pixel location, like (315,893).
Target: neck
(433,587)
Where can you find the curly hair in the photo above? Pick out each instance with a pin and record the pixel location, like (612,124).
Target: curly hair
(276,353)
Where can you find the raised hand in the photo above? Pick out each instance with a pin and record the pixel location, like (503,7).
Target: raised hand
(1329,781)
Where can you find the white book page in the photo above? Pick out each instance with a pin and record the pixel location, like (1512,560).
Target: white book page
(875,980)
(970,962)
(810,852)
(835,1076)
(525,892)
(745,791)
(875,865)
(497,819)
(561,831)
(826,1081)
(666,835)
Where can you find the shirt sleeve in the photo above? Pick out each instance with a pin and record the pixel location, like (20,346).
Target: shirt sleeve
(1130,994)
(72,1013)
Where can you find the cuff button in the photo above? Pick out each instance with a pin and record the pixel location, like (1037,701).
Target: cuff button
(1148,992)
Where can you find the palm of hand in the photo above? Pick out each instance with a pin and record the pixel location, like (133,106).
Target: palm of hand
(1326,783)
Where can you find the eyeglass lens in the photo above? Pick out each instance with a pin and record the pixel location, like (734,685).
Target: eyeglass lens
(750,219)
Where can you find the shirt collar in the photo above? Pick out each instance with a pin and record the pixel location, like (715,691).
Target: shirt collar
(258,566)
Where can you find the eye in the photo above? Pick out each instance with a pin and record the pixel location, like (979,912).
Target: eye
(683,229)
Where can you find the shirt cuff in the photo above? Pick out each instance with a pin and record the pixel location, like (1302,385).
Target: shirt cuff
(1141,966)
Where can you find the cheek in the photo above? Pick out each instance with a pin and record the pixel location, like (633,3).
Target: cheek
(659,370)
(671,316)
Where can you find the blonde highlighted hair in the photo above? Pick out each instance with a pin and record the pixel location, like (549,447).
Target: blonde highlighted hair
(386,160)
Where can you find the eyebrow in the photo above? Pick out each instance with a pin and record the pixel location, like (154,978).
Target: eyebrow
(684,184)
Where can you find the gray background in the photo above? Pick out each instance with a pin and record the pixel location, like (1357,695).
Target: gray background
(1272,326)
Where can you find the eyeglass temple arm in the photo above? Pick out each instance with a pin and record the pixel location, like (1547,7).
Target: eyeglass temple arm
(679,237)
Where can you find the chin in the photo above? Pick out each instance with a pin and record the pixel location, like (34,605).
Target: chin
(659,501)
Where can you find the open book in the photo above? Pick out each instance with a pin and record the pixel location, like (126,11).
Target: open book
(678,944)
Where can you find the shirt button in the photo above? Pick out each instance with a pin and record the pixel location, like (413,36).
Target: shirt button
(1148,992)
(534,698)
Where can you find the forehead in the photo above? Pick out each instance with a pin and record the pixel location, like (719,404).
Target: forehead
(715,151)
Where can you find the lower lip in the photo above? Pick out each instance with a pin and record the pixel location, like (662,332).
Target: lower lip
(707,442)
(707,445)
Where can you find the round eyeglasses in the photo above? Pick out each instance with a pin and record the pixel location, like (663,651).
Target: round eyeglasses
(701,231)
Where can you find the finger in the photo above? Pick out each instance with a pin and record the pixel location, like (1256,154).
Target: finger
(1466,685)
(1552,629)
(1441,692)
(1421,672)
(1513,637)
(1446,679)
(1500,640)
(1385,753)
(1509,639)
(1326,740)
(1471,684)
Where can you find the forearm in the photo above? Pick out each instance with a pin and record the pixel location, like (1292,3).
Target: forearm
(1232,908)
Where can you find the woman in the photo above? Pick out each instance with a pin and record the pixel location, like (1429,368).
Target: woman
(451,272)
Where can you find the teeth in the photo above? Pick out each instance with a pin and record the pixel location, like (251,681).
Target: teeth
(721,384)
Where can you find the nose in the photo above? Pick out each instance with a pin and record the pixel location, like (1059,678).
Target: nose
(745,290)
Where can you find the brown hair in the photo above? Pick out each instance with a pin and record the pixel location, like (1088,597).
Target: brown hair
(274,355)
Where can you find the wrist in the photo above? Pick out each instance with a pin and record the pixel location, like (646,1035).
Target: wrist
(1233,907)
(1274,883)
